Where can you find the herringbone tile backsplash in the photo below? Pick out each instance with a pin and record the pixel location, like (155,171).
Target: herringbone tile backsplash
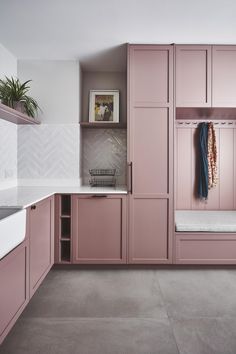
(104,148)
(8,150)
(48,151)
(52,151)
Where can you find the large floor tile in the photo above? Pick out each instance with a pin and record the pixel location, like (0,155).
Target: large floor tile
(205,336)
(190,293)
(90,336)
(98,293)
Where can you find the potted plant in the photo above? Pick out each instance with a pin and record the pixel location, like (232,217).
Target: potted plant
(14,94)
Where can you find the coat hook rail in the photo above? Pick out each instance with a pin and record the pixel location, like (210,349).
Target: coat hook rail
(184,123)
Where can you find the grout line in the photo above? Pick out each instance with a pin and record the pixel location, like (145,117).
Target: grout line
(168,315)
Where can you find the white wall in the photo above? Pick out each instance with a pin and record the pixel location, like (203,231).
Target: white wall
(8,131)
(56,88)
(8,63)
(50,152)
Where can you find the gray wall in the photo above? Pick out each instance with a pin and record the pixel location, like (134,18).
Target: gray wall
(104,81)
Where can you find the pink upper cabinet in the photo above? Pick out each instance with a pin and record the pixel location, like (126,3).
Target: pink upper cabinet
(224,76)
(193,76)
(150,75)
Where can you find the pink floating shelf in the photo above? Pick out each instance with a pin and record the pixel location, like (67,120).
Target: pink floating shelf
(13,116)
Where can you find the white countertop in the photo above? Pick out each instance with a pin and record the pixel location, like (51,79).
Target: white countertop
(22,197)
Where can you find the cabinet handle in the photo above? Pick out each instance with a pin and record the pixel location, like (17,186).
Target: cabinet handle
(99,196)
(33,207)
(130,177)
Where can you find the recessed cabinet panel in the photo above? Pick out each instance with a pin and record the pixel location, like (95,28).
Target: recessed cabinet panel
(14,287)
(41,241)
(149,236)
(150,76)
(99,229)
(150,140)
(224,76)
(193,76)
(150,149)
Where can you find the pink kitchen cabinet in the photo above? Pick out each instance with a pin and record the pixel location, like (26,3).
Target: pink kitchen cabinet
(150,153)
(205,248)
(63,225)
(99,229)
(224,76)
(14,293)
(193,75)
(41,235)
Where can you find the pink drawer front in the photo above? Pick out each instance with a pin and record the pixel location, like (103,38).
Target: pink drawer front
(14,287)
(205,248)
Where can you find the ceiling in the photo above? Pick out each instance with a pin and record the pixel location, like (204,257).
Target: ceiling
(94,31)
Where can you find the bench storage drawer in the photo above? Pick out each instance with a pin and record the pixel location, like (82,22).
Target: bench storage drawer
(205,248)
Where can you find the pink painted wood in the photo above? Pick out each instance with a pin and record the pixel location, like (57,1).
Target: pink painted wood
(222,197)
(99,229)
(150,149)
(193,75)
(57,229)
(59,239)
(14,294)
(226,169)
(149,227)
(16,117)
(224,76)
(205,248)
(41,234)
(150,84)
(234,169)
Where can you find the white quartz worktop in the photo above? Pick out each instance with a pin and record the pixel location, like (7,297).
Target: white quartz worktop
(22,197)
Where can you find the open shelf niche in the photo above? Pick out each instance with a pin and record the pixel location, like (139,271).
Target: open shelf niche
(64,228)
(104,144)
(101,80)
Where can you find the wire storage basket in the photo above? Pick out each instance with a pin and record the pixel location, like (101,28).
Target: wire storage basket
(103,177)
(102,172)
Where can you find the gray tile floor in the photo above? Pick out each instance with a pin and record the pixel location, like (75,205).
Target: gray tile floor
(129,311)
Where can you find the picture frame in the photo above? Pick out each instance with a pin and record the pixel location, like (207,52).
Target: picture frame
(104,106)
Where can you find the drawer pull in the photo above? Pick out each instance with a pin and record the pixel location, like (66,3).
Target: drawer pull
(99,196)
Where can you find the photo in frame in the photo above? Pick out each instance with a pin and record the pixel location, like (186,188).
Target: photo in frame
(104,106)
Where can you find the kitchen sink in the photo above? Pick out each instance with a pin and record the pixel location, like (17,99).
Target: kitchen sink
(12,229)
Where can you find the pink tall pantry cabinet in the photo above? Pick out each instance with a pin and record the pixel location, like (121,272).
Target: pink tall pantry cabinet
(150,153)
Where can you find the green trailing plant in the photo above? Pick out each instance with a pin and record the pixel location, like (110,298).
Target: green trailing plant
(14,94)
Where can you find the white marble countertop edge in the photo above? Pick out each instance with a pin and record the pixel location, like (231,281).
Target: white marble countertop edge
(24,196)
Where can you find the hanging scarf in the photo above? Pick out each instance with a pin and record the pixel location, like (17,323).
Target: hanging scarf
(212,156)
(203,163)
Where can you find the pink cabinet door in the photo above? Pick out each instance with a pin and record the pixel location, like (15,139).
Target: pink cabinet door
(41,228)
(224,76)
(14,292)
(150,68)
(150,149)
(99,229)
(149,241)
(193,76)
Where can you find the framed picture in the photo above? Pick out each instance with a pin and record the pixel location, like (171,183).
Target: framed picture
(104,106)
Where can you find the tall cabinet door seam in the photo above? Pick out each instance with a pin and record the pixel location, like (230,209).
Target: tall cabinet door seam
(150,132)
